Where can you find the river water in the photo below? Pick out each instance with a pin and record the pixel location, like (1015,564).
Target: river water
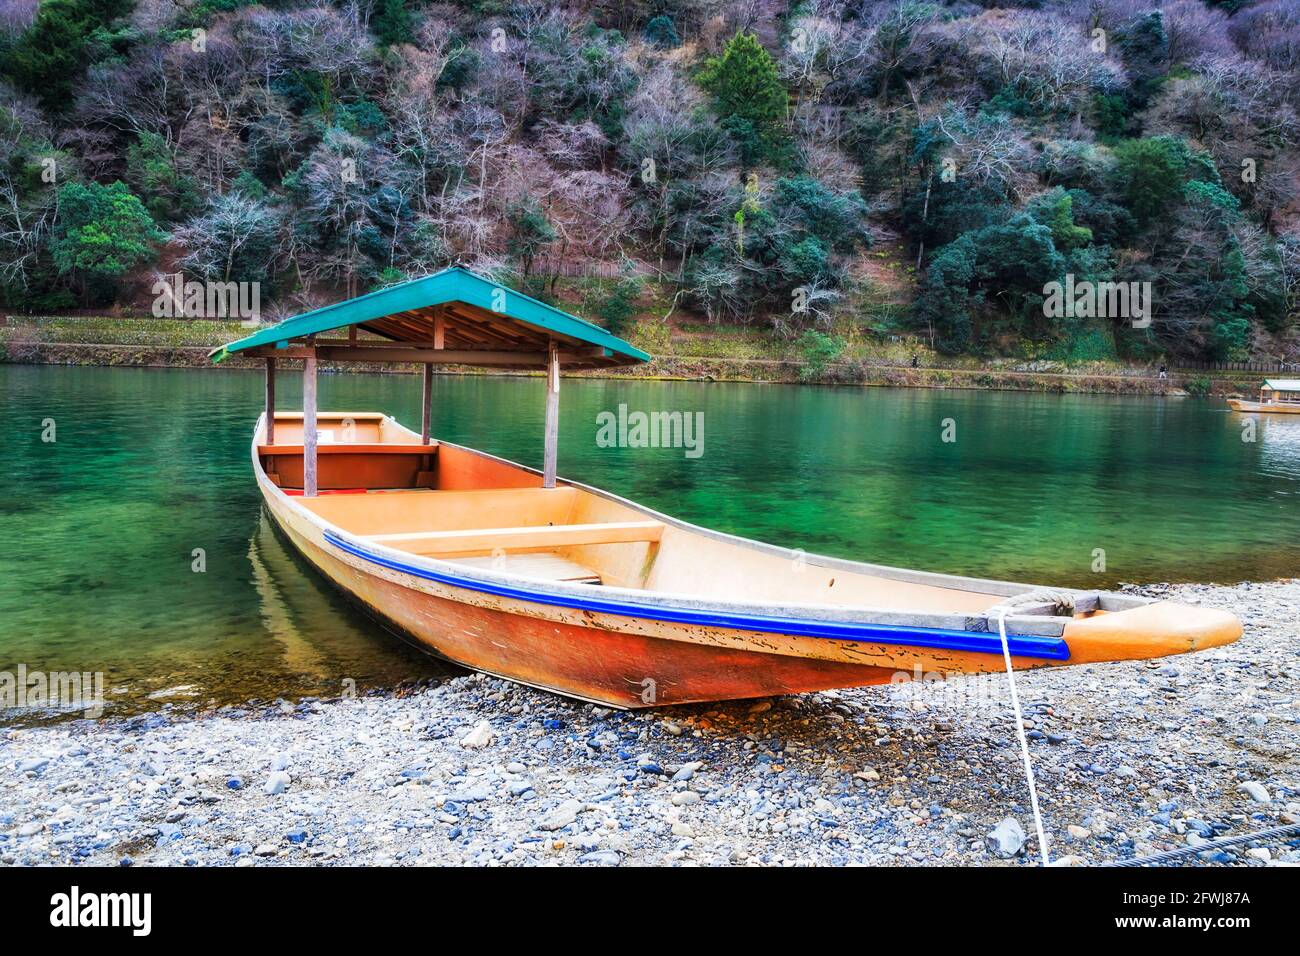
(134,543)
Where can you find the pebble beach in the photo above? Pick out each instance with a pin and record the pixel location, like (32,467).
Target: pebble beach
(1130,759)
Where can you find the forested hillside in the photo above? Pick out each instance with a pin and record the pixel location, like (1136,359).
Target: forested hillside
(787,166)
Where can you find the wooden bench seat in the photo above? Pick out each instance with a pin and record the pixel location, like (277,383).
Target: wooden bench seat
(336,448)
(353,465)
(533,536)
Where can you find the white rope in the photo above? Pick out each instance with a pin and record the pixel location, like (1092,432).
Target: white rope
(1062,599)
(1024,741)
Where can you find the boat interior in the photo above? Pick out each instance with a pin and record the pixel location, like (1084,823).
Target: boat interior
(379,483)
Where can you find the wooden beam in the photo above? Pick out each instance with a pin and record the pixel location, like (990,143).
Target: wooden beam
(532,536)
(349,448)
(426,405)
(364,352)
(270,401)
(387,353)
(370,344)
(1083,604)
(309,424)
(549,454)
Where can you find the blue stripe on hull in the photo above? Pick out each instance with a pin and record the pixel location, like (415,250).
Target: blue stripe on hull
(1022,645)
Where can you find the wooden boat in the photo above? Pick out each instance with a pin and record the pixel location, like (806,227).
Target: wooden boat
(1280,396)
(513,571)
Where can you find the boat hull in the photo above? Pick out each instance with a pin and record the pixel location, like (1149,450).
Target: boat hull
(618,669)
(634,649)
(628,663)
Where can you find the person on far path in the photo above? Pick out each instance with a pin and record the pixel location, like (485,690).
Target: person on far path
(1164,372)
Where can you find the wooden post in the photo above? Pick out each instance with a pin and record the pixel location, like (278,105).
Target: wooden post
(426,405)
(270,401)
(552,414)
(309,425)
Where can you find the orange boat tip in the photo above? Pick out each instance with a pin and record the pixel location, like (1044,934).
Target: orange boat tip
(1219,628)
(1153,630)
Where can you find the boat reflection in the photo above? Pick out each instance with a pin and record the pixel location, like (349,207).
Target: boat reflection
(1279,445)
(274,572)
(324,645)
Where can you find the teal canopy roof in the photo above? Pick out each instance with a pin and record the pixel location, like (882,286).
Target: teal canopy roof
(473,314)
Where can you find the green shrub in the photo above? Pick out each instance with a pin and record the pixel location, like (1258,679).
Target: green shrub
(392,23)
(818,351)
(617,309)
(661,33)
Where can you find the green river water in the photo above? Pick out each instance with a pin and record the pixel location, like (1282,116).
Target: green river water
(101,524)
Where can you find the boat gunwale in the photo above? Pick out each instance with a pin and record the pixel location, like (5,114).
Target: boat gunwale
(1037,646)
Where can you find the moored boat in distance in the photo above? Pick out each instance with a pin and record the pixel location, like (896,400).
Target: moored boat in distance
(521,574)
(1279,396)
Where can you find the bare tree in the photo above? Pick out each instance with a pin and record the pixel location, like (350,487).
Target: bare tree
(217,240)
(1194,30)
(1239,110)
(27,211)
(1269,32)
(1049,62)
(901,42)
(572,145)
(987,150)
(682,165)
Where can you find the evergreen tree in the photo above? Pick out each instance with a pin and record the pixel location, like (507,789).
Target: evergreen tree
(102,233)
(749,96)
(1151,173)
(837,218)
(617,310)
(946,300)
(393,23)
(1059,217)
(152,174)
(52,55)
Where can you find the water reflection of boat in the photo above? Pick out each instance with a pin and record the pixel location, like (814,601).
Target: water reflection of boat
(273,569)
(326,640)
(1278,441)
